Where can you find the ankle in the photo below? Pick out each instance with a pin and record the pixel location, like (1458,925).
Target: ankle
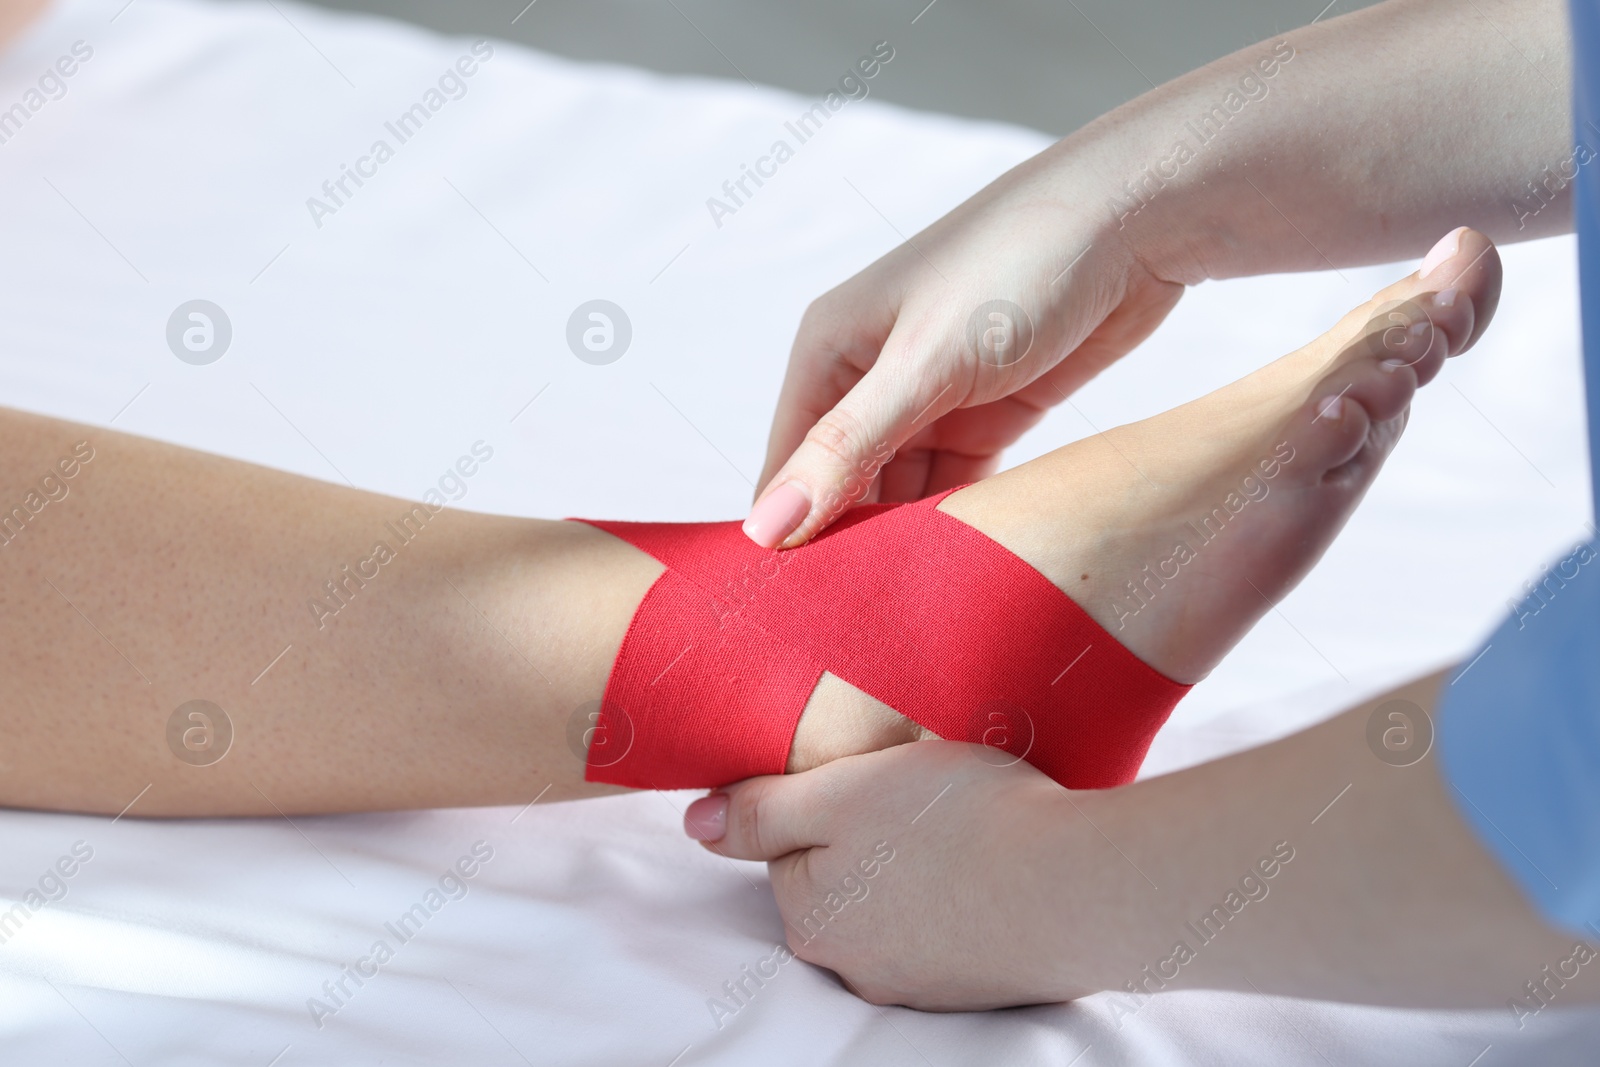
(840,720)
(1038,513)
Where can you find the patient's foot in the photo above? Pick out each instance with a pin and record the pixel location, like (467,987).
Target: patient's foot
(1179,532)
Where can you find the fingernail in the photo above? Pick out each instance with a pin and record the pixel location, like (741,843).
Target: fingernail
(1447,298)
(1448,246)
(1331,407)
(777,515)
(707,818)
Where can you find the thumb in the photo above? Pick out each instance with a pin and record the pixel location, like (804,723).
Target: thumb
(835,465)
(757,819)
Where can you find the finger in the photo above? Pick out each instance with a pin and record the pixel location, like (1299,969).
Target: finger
(952,469)
(962,447)
(844,450)
(759,818)
(809,393)
(838,340)
(906,478)
(1143,307)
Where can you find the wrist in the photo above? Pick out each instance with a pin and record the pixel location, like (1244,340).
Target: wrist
(1164,174)
(1108,181)
(1088,909)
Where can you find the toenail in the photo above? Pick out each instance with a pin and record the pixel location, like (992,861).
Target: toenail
(1391,365)
(1446,299)
(1331,408)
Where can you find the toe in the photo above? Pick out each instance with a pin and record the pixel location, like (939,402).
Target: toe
(1448,308)
(1468,281)
(1354,418)
(1413,333)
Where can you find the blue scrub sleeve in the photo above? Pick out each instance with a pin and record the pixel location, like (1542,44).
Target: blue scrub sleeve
(1519,741)
(1519,728)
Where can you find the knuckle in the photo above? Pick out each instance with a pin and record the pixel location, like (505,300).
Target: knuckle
(820,313)
(745,812)
(839,437)
(827,322)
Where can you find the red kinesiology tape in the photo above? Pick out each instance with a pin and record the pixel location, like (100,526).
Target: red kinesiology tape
(902,601)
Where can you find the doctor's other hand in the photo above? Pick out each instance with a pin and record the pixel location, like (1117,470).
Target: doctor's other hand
(925,875)
(914,375)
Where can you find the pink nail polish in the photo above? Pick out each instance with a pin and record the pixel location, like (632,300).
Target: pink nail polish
(1447,247)
(1447,298)
(707,818)
(1331,408)
(777,515)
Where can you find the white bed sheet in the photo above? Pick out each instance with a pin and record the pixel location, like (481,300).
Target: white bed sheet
(424,316)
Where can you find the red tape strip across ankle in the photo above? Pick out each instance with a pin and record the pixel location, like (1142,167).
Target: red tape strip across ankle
(905,603)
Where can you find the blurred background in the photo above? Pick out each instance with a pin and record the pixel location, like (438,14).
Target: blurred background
(1049,64)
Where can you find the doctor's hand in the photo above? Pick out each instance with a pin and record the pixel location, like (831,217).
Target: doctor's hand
(923,875)
(944,877)
(914,375)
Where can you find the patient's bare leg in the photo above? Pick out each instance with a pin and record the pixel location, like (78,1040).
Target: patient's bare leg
(453,673)
(163,576)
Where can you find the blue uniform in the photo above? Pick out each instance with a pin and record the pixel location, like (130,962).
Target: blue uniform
(1519,734)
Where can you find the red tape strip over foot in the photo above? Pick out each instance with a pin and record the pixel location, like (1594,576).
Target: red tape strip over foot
(905,603)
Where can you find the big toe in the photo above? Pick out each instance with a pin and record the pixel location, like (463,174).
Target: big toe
(1384,350)
(1436,312)
(1464,269)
